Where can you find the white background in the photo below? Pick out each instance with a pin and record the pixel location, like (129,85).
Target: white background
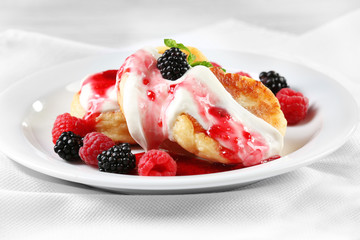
(120,23)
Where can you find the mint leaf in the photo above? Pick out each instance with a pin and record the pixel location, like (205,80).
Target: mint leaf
(203,63)
(182,46)
(191,59)
(170,43)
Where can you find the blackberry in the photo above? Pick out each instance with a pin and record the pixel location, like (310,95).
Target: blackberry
(172,64)
(67,146)
(273,81)
(117,159)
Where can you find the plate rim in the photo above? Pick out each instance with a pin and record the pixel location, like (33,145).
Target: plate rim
(153,182)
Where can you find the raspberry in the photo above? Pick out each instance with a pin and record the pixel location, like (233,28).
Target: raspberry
(65,122)
(94,144)
(67,146)
(273,81)
(157,163)
(293,104)
(172,64)
(243,74)
(117,159)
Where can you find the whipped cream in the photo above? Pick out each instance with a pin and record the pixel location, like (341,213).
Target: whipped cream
(151,105)
(98,93)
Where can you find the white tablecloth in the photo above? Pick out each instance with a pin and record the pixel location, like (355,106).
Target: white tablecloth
(320,201)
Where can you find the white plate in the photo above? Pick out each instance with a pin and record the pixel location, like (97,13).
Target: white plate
(30,107)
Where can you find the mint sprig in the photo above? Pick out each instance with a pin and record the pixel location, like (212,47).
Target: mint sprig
(191,57)
(203,63)
(172,43)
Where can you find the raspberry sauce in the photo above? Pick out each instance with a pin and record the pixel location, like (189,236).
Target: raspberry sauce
(234,138)
(189,165)
(95,90)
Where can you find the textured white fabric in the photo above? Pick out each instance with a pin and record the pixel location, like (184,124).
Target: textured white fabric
(320,201)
